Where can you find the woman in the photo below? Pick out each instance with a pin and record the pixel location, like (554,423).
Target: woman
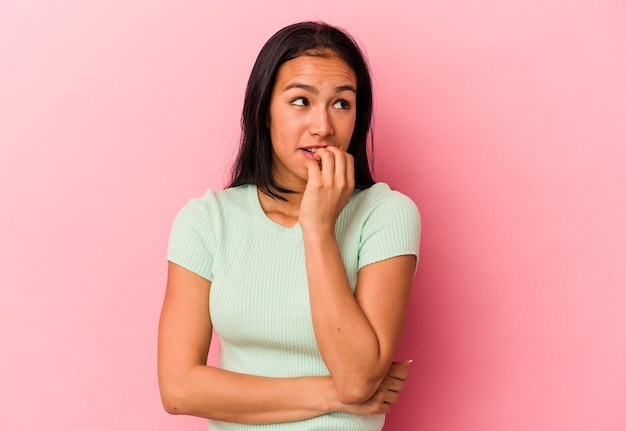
(303,266)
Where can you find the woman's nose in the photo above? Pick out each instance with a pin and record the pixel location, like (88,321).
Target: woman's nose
(320,123)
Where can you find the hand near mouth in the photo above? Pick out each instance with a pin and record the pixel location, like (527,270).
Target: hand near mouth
(311,153)
(329,186)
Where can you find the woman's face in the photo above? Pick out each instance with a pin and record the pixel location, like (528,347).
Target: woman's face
(313,105)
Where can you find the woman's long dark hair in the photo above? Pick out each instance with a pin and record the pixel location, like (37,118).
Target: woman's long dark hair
(254,161)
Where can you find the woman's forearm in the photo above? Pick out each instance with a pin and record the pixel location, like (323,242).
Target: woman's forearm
(348,343)
(214,393)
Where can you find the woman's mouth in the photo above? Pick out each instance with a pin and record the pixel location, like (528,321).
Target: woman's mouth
(312,149)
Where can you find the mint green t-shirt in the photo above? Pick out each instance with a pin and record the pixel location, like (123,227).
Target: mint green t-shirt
(259,300)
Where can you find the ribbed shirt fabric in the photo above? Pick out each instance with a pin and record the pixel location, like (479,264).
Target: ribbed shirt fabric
(259,300)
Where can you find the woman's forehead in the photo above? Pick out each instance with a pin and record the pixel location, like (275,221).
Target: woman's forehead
(316,70)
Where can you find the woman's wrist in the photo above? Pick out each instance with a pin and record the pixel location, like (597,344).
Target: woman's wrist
(319,236)
(330,402)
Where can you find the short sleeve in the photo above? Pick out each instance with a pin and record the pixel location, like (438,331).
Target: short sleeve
(191,243)
(392,228)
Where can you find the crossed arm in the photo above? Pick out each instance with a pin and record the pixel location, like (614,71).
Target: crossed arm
(189,386)
(357,333)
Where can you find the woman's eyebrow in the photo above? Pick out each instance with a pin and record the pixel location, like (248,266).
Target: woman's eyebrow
(315,91)
(345,88)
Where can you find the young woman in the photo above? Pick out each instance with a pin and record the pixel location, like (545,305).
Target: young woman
(302,267)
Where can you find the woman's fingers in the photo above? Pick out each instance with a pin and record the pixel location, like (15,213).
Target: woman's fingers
(399,370)
(328,165)
(340,161)
(327,191)
(350,171)
(387,394)
(394,384)
(314,173)
(337,166)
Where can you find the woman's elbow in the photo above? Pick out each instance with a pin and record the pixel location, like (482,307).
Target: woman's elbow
(173,400)
(356,392)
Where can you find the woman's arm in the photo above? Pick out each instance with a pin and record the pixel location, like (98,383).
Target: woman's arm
(189,386)
(357,333)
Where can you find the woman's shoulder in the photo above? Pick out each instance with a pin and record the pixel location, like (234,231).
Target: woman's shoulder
(214,205)
(215,197)
(380,204)
(198,228)
(382,194)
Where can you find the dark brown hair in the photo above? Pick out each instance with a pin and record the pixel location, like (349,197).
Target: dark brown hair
(254,160)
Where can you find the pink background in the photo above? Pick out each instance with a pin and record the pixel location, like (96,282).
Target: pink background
(504,121)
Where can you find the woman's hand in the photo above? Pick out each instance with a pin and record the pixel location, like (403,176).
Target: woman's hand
(329,186)
(387,393)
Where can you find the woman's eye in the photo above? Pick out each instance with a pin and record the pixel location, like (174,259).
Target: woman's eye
(300,101)
(341,104)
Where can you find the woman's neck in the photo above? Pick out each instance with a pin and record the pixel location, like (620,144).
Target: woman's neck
(284,212)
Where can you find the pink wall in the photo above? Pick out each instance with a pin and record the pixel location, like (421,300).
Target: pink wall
(505,121)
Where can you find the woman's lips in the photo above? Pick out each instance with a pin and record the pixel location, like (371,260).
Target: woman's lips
(308,153)
(312,149)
